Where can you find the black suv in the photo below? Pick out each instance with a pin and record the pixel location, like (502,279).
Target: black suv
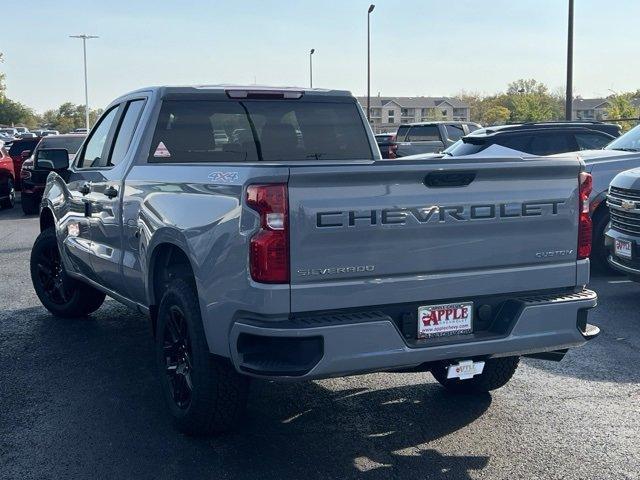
(538,138)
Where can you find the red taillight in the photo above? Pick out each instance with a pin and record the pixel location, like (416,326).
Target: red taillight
(584,219)
(393,148)
(269,248)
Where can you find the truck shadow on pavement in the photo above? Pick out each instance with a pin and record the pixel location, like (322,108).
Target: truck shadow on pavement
(82,399)
(614,355)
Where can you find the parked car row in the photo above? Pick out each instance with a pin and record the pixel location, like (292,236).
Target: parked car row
(422,137)
(19,170)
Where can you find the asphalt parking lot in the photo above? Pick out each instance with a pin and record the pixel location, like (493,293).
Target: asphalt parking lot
(79,399)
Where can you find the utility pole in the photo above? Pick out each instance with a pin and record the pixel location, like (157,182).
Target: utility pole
(568,109)
(311,52)
(84,38)
(371,7)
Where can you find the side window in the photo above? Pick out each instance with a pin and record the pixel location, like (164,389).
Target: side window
(592,141)
(551,144)
(401,133)
(96,148)
(423,133)
(125,132)
(455,132)
(521,143)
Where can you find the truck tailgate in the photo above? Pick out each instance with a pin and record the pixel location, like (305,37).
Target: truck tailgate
(394,232)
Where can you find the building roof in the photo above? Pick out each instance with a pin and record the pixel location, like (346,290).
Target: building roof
(588,103)
(413,102)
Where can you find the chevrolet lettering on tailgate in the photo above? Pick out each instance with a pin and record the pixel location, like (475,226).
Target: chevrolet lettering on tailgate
(437,214)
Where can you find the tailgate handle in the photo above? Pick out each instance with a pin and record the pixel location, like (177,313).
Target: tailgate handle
(449,179)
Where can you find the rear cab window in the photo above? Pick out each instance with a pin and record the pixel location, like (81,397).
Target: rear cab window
(70,144)
(454,132)
(238,130)
(18,147)
(592,141)
(423,133)
(402,133)
(545,144)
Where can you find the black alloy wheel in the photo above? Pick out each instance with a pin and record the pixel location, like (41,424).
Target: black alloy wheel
(178,355)
(51,275)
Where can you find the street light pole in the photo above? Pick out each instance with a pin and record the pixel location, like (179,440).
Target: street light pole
(568,108)
(84,38)
(371,7)
(311,52)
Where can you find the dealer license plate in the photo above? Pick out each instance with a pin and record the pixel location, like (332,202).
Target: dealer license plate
(445,319)
(623,248)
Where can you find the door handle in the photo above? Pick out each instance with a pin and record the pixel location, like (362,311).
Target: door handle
(85,189)
(111,191)
(449,179)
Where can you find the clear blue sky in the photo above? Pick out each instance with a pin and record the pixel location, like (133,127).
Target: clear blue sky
(419,47)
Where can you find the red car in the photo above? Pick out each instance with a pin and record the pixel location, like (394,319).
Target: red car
(7,180)
(19,151)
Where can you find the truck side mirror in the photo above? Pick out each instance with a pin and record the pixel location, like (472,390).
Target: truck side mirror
(52,159)
(25,154)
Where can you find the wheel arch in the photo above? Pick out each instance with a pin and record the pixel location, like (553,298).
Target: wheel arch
(598,205)
(47,220)
(168,261)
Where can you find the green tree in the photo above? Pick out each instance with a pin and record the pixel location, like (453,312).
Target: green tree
(15,113)
(530,101)
(620,106)
(496,115)
(68,117)
(527,87)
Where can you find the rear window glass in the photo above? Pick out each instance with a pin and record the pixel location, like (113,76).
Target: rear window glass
(402,133)
(522,143)
(18,147)
(592,141)
(551,144)
(253,130)
(462,148)
(455,132)
(70,144)
(423,133)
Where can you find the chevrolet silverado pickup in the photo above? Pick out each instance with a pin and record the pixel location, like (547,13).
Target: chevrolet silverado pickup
(288,249)
(623,234)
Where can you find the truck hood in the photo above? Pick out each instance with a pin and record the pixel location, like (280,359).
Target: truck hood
(629,179)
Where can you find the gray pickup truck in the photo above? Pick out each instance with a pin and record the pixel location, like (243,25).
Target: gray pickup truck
(291,251)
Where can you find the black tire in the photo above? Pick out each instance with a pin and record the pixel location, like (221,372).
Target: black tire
(600,253)
(497,372)
(10,200)
(30,204)
(60,294)
(204,393)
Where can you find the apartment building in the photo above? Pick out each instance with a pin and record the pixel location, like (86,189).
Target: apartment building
(389,112)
